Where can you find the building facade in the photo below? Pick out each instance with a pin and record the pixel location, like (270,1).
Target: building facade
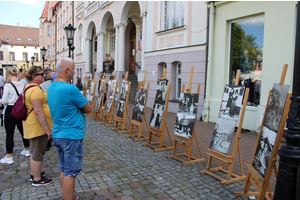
(17,46)
(256,37)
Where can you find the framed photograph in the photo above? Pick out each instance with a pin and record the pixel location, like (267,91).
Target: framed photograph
(122,99)
(108,104)
(101,92)
(112,87)
(91,91)
(186,116)
(139,104)
(222,135)
(264,151)
(276,106)
(231,102)
(159,103)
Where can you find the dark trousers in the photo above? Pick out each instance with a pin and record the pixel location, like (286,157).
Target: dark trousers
(10,123)
(1,92)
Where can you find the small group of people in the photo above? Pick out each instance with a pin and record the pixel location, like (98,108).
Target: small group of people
(55,112)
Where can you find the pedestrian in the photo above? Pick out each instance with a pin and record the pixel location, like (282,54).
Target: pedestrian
(48,73)
(2,81)
(22,77)
(79,84)
(38,125)
(9,98)
(69,125)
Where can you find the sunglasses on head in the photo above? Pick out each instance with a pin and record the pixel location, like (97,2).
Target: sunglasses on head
(42,74)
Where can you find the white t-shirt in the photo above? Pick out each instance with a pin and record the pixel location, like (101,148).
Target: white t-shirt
(10,95)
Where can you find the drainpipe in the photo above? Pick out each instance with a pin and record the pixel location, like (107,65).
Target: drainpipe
(205,113)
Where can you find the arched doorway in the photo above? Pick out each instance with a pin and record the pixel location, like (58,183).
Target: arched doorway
(132,50)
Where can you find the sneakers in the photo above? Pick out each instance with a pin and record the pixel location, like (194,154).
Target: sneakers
(7,160)
(42,181)
(43,174)
(25,153)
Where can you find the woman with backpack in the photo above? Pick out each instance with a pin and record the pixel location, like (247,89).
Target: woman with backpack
(10,96)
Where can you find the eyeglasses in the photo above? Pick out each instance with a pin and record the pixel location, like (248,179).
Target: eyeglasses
(42,74)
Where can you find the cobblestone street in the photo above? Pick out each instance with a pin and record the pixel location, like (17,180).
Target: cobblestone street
(115,167)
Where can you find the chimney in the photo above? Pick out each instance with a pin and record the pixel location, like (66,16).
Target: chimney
(18,24)
(28,26)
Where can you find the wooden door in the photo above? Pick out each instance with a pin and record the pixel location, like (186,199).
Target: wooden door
(132,50)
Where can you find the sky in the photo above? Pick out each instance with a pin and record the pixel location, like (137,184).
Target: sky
(22,12)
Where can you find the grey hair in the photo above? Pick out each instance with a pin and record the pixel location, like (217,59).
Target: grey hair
(61,64)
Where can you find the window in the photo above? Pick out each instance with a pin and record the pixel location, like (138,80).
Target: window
(95,45)
(178,80)
(36,57)
(1,55)
(113,39)
(247,37)
(80,39)
(19,39)
(53,52)
(25,57)
(11,56)
(48,30)
(48,50)
(172,14)
(29,40)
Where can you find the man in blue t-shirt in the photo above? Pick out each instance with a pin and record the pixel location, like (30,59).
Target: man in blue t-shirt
(67,106)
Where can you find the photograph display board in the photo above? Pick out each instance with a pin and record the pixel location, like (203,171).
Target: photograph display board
(139,104)
(270,128)
(159,103)
(232,102)
(101,92)
(111,95)
(222,135)
(90,92)
(122,99)
(187,113)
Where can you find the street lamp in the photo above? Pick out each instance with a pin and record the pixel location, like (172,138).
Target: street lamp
(43,52)
(70,30)
(288,178)
(32,60)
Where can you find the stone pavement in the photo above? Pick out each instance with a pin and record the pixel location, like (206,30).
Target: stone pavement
(116,167)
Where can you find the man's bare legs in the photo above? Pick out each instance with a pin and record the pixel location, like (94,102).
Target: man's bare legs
(36,168)
(67,186)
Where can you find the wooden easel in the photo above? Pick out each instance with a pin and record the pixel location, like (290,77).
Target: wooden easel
(108,116)
(135,125)
(186,143)
(122,121)
(86,85)
(262,184)
(95,110)
(92,114)
(159,133)
(227,160)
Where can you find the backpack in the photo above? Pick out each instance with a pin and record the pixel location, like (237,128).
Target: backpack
(19,110)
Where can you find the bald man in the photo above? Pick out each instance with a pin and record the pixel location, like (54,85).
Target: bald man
(67,106)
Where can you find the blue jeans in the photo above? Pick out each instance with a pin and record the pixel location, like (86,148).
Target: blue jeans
(71,153)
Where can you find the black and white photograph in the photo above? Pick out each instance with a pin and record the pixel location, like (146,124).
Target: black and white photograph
(85,87)
(90,92)
(186,116)
(108,104)
(112,87)
(98,98)
(222,135)
(124,90)
(139,104)
(264,151)
(232,102)
(120,108)
(276,106)
(159,103)
(156,116)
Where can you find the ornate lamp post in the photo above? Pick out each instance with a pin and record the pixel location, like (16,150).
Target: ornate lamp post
(70,30)
(288,179)
(43,52)
(32,60)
